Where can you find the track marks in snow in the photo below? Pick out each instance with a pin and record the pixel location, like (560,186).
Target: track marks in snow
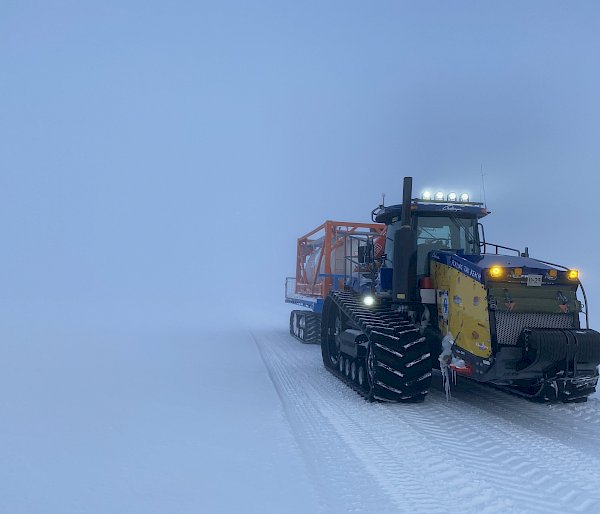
(574,427)
(533,470)
(373,449)
(484,451)
(332,465)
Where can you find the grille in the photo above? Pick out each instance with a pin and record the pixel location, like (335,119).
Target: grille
(510,324)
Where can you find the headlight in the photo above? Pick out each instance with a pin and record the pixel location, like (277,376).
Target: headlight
(368,300)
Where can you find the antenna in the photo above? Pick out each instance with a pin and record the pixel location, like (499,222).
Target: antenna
(383,199)
(483,187)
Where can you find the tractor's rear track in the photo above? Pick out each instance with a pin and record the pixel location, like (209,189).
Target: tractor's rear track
(401,360)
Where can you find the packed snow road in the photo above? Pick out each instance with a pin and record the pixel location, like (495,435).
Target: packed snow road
(244,418)
(483,451)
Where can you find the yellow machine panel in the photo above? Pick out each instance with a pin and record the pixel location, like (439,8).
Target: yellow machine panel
(462,309)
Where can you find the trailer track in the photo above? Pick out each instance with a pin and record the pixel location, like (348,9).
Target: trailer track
(306,326)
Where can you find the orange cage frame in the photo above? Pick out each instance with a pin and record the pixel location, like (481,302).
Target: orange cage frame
(335,234)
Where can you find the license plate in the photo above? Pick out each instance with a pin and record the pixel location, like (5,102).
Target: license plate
(534,280)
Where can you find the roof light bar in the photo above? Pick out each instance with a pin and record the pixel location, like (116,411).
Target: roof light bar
(440,196)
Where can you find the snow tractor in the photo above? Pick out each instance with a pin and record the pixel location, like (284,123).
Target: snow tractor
(421,288)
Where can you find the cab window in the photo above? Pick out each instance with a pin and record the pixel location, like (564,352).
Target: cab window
(444,233)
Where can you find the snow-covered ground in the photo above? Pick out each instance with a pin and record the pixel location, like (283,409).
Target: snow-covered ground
(246,419)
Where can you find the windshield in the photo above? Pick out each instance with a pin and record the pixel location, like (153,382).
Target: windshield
(437,233)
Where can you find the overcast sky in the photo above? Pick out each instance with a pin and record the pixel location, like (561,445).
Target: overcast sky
(158,160)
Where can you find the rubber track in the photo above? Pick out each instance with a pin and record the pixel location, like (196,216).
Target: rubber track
(401,352)
(580,395)
(311,333)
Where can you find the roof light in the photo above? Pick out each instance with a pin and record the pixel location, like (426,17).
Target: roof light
(439,196)
(452,197)
(552,274)
(426,196)
(517,272)
(572,274)
(496,271)
(464,197)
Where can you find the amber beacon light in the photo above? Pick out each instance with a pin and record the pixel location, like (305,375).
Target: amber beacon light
(496,271)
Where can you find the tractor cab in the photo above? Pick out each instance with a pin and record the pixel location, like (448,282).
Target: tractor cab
(448,225)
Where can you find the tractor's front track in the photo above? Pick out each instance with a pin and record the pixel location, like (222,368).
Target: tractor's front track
(391,361)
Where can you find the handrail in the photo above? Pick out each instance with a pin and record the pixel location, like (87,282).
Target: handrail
(484,244)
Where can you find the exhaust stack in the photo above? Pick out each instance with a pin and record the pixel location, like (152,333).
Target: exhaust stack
(404,284)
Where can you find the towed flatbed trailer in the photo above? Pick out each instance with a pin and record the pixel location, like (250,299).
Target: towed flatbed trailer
(330,258)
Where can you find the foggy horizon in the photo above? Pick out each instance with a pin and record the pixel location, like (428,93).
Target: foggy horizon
(174,156)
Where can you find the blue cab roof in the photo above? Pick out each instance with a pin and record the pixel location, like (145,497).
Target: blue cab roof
(391,213)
